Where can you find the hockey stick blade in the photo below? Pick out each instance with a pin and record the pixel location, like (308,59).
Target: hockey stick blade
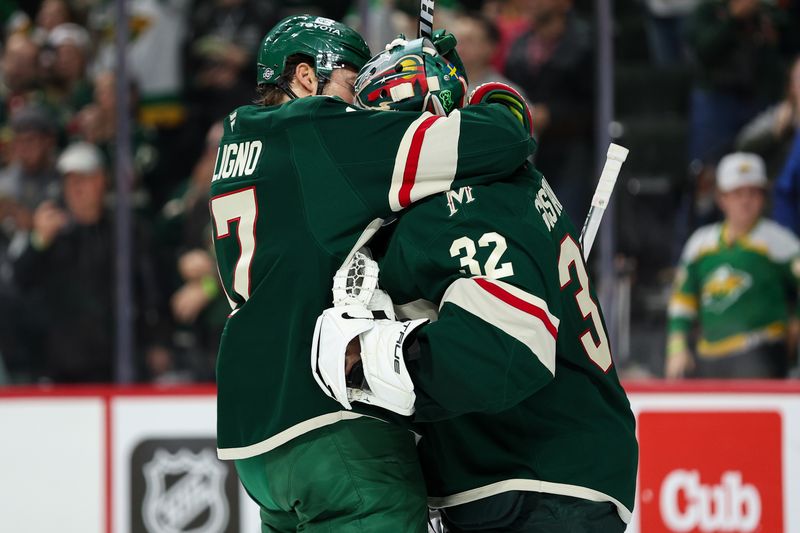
(426,18)
(615,156)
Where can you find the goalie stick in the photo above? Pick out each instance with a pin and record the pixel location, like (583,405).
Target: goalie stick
(615,156)
(426,18)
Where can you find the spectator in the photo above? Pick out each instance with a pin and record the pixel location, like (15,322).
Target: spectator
(199,307)
(477,41)
(512,19)
(97,123)
(68,88)
(738,48)
(31,177)
(771,133)
(52,13)
(67,271)
(20,74)
(158,32)
(25,182)
(216,87)
(553,64)
(739,281)
(239,22)
(225,35)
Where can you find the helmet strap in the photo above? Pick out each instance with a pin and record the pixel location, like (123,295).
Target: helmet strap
(283,86)
(322,81)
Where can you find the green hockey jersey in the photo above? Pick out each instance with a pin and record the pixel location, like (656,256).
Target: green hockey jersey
(739,294)
(293,188)
(516,387)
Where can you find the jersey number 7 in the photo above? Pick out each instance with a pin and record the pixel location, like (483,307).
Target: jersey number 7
(242,207)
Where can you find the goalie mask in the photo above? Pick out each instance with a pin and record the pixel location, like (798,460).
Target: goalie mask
(410,76)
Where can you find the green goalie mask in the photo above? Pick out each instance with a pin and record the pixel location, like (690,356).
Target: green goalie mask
(329,43)
(411,76)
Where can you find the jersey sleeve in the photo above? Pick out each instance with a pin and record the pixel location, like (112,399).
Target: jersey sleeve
(392,158)
(494,341)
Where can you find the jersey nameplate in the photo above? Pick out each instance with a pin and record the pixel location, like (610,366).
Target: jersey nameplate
(235,160)
(547,205)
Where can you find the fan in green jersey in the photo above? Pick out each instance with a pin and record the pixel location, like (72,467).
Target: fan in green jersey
(297,180)
(738,281)
(525,426)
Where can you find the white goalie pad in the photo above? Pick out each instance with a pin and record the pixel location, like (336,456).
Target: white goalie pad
(334,330)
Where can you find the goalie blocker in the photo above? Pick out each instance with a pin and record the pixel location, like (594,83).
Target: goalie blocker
(384,344)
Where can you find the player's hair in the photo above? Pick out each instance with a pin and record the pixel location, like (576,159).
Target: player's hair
(273,94)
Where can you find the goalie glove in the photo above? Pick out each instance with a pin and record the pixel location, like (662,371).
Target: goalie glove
(386,382)
(356,283)
(445,44)
(495,92)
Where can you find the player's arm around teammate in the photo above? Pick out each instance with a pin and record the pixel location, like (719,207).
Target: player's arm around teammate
(297,180)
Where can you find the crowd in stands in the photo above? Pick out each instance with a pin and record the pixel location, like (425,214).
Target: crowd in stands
(192,61)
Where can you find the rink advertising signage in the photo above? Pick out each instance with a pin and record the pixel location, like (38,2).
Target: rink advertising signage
(710,472)
(179,486)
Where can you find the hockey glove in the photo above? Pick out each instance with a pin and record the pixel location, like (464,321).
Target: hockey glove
(445,44)
(357,283)
(386,381)
(495,92)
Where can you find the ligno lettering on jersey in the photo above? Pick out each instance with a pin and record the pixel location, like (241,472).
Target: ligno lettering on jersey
(235,160)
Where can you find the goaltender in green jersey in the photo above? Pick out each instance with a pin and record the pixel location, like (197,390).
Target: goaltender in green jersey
(297,180)
(525,426)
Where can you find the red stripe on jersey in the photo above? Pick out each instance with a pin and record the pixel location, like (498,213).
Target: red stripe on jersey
(412,161)
(519,303)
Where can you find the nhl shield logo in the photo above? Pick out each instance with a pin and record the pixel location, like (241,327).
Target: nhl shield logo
(185,493)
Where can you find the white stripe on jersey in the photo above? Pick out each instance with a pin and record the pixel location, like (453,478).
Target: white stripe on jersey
(532,485)
(530,330)
(436,159)
(400,162)
(419,308)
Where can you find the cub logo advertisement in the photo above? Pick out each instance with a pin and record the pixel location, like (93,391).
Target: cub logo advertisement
(179,486)
(704,472)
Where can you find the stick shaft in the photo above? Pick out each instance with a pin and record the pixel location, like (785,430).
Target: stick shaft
(426,18)
(605,186)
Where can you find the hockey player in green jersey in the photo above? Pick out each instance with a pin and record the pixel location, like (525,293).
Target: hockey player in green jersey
(297,179)
(525,426)
(738,280)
